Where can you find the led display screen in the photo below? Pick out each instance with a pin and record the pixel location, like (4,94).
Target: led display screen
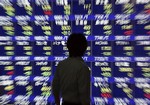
(33,35)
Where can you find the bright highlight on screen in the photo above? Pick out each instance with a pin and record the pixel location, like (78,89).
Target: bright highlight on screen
(33,36)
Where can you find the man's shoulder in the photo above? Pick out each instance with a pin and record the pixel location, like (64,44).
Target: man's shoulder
(73,61)
(63,61)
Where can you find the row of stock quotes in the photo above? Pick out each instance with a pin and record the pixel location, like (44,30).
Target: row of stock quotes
(33,35)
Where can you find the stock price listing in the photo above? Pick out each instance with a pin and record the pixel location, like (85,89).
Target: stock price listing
(33,35)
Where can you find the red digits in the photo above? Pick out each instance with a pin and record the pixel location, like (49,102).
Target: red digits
(10,73)
(147,96)
(129,32)
(106,95)
(48,12)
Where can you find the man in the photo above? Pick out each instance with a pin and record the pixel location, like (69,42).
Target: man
(72,77)
(1,90)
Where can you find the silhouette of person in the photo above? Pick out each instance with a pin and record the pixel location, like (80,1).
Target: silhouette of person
(72,77)
(1,90)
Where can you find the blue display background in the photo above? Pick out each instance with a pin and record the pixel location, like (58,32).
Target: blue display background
(33,36)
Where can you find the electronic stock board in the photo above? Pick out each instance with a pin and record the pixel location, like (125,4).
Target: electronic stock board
(33,36)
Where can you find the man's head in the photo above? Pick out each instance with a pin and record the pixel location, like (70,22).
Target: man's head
(77,45)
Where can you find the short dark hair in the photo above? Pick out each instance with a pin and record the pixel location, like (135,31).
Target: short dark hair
(76,44)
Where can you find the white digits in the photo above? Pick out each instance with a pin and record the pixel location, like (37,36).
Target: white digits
(81,22)
(97,2)
(38,83)
(81,2)
(23,3)
(26,2)
(101,2)
(58,2)
(66,2)
(142,1)
(5,2)
(41,2)
(122,1)
(37,2)
(102,22)
(62,2)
